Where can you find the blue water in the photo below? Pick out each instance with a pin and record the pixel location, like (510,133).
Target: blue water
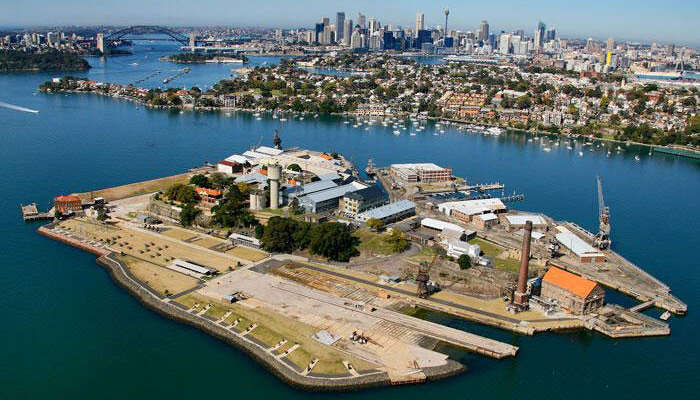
(69,332)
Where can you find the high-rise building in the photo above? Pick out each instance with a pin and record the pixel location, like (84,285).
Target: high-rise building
(356,40)
(611,44)
(539,35)
(339,26)
(361,20)
(318,31)
(347,32)
(504,43)
(373,25)
(484,31)
(420,22)
(551,34)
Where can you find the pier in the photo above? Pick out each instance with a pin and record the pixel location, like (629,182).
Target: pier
(30,213)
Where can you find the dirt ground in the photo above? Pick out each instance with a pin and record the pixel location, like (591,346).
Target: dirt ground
(153,248)
(163,280)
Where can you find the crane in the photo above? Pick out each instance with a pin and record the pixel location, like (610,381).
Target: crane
(424,276)
(602,239)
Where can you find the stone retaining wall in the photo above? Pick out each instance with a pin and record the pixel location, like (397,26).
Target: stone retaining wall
(267,360)
(119,274)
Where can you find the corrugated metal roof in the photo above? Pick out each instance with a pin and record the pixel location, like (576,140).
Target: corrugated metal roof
(312,188)
(574,243)
(473,207)
(269,150)
(575,284)
(522,219)
(332,193)
(441,225)
(387,210)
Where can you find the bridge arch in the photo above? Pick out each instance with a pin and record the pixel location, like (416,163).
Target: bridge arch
(146,29)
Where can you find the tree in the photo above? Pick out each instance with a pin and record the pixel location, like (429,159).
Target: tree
(101,215)
(200,180)
(188,214)
(182,193)
(375,224)
(231,211)
(464,261)
(278,235)
(398,241)
(294,167)
(334,241)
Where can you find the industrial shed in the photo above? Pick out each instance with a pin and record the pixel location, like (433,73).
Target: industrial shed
(571,292)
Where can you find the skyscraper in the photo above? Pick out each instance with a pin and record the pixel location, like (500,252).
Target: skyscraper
(611,44)
(484,31)
(539,35)
(347,32)
(373,25)
(361,20)
(420,22)
(339,26)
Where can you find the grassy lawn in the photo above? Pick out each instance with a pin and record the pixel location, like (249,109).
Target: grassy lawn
(217,311)
(300,357)
(273,327)
(266,336)
(324,367)
(494,251)
(426,254)
(372,242)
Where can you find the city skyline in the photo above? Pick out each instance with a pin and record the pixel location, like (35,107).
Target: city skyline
(646,22)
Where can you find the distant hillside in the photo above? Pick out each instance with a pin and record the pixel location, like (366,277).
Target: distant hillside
(53,60)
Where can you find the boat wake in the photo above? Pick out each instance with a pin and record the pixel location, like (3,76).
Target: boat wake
(17,108)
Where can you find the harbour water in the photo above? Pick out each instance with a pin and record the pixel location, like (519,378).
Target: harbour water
(68,331)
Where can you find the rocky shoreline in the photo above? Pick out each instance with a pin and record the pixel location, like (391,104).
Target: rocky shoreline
(277,367)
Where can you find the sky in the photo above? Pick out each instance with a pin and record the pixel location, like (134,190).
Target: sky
(663,21)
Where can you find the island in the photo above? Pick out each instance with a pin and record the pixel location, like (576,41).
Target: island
(291,256)
(35,61)
(201,58)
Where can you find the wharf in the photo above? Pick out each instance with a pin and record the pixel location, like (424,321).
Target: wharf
(30,212)
(617,322)
(629,279)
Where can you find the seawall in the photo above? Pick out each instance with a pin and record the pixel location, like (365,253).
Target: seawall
(118,273)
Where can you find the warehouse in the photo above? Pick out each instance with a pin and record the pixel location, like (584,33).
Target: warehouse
(571,292)
(313,187)
(584,252)
(484,221)
(447,229)
(466,210)
(326,200)
(423,172)
(390,213)
(515,222)
(228,167)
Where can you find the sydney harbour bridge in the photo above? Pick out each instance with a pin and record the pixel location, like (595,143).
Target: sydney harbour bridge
(104,42)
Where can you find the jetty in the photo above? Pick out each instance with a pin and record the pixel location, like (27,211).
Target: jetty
(30,213)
